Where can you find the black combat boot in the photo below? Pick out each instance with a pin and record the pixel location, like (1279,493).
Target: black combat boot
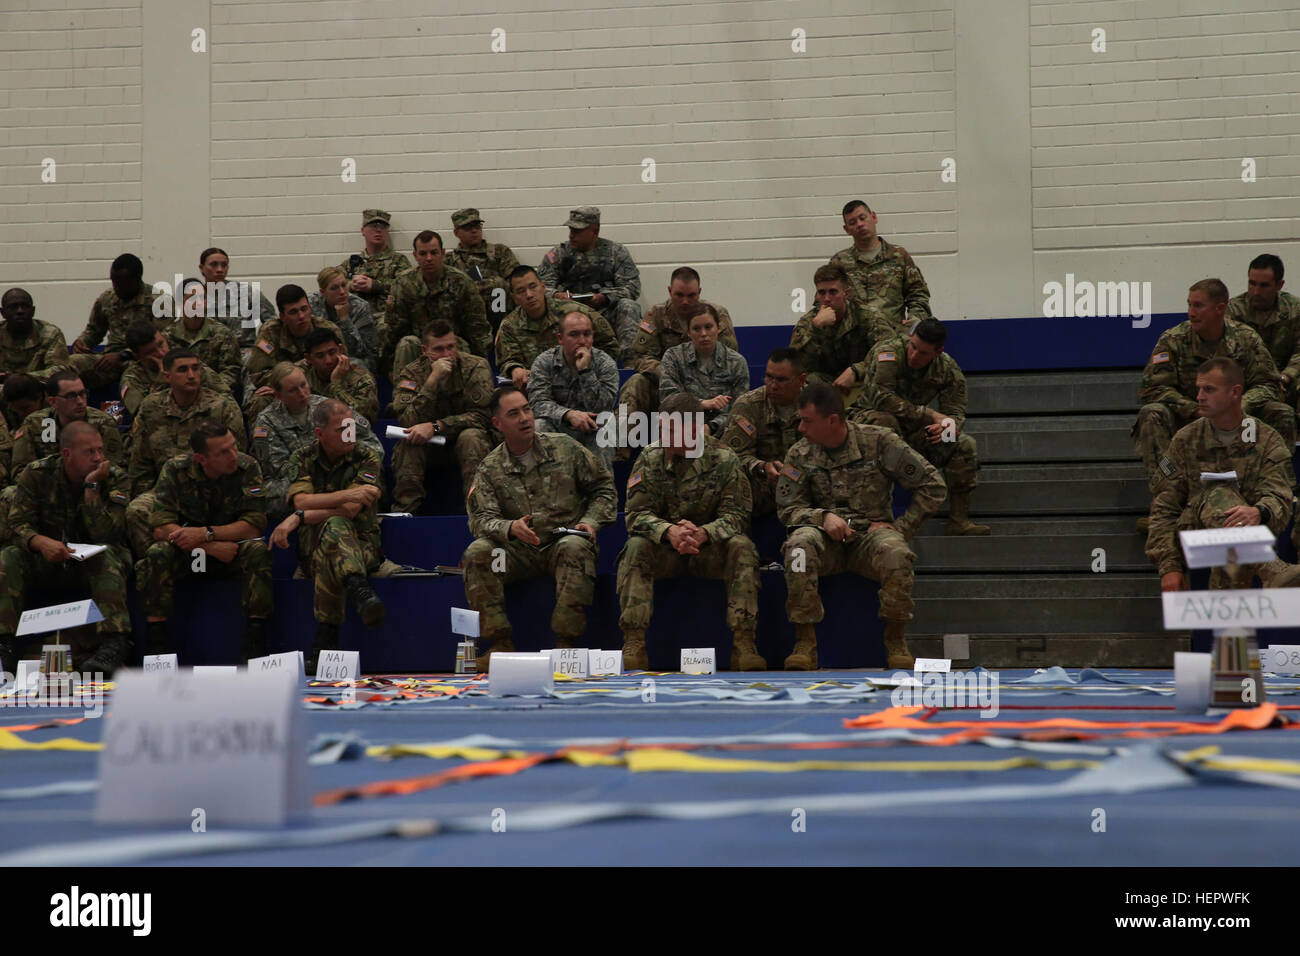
(365,600)
(113,651)
(160,641)
(327,639)
(254,638)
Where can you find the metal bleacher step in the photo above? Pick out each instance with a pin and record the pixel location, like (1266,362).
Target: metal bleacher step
(1037,605)
(1048,392)
(992,650)
(1066,489)
(1034,545)
(1044,438)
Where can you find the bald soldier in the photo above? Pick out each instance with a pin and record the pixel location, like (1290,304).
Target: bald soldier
(918,390)
(535,507)
(1222,440)
(534,326)
(1168,387)
(688,507)
(1275,315)
(835,495)
(883,278)
(764,425)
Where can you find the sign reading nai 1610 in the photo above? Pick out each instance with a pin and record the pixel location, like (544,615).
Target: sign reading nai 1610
(1223,609)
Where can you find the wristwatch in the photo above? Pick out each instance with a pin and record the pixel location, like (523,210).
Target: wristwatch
(301,515)
(437,428)
(1264,514)
(212,535)
(91,486)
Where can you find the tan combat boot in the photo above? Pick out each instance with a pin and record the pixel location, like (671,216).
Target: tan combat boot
(744,655)
(899,657)
(804,655)
(959,517)
(635,657)
(502,643)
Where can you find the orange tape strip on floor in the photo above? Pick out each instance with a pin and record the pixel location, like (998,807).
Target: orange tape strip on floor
(45,725)
(901,718)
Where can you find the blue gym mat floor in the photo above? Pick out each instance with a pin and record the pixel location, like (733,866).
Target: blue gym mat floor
(726,769)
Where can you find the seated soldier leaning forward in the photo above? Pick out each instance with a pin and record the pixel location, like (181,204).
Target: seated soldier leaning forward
(535,507)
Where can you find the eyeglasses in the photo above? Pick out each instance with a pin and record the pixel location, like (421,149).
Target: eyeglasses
(73,395)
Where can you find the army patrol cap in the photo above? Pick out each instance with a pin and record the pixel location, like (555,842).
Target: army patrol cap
(583,217)
(369,216)
(465,217)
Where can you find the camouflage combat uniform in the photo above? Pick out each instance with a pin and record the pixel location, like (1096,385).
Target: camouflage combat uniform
(609,269)
(560,484)
(47,503)
(1168,390)
(520,339)
(383,268)
(414,304)
(725,374)
(461,402)
(887,283)
(710,491)
(187,497)
(855,482)
(111,316)
(828,352)
(38,437)
(40,354)
(496,262)
(338,547)
(275,344)
(555,388)
(1279,328)
(360,332)
(245,329)
(659,331)
(758,432)
(357,390)
(1184,502)
(140,380)
(217,347)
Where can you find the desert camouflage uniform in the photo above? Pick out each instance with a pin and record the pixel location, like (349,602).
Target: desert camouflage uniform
(140,380)
(383,269)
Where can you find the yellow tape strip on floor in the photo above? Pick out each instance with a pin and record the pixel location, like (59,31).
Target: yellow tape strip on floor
(11,741)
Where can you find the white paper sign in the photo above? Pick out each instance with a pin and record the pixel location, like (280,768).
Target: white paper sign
(1191,682)
(941,664)
(605,663)
(161,663)
(517,675)
(1280,658)
(698,660)
(338,665)
(233,746)
(289,661)
(215,670)
(1263,607)
(570,661)
(464,622)
(40,620)
(1208,547)
(397,431)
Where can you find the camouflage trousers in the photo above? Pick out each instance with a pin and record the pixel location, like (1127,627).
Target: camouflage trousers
(625,316)
(104,576)
(881,555)
(336,554)
(588,440)
(138,529)
(1156,424)
(1218,498)
(6,500)
(956,459)
(489,567)
(164,563)
(764,493)
(640,393)
(643,562)
(84,365)
(412,462)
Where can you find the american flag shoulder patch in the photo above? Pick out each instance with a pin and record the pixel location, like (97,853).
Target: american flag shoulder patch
(1159,357)
(409,384)
(647,327)
(634,481)
(791,472)
(886,357)
(260,431)
(746,425)
(265,346)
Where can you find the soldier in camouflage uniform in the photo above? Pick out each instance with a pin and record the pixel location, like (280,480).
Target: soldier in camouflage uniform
(526,489)
(334,491)
(432,290)
(162,430)
(883,279)
(534,326)
(918,390)
(1275,315)
(444,394)
(714,373)
(22,394)
(75,496)
(283,340)
(589,264)
(238,315)
(26,343)
(1168,387)
(129,300)
(764,425)
(350,313)
(210,500)
(286,426)
(213,342)
(38,436)
(571,384)
(371,273)
(838,334)
(839,475)
(1222,440)
(663,327)
(144,376)
(688,507)
(332,373)
(488,264)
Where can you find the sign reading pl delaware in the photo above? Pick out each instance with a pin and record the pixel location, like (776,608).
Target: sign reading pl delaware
(1278,607)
